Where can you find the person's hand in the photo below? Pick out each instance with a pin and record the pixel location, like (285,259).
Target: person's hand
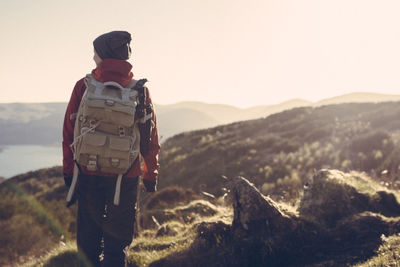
(150,186)
(67,180)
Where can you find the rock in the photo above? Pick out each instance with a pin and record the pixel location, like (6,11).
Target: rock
(333,195)
(252,210)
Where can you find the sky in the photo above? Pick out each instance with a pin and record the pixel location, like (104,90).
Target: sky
(236,52)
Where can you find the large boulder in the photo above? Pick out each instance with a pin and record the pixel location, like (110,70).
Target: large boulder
(331,196)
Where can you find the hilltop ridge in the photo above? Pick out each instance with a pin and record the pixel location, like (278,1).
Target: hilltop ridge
(43,121)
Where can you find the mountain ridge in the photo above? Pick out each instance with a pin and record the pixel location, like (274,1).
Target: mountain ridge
(41,123)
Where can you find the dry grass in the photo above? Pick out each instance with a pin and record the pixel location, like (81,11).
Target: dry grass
(58,253)
(148,247)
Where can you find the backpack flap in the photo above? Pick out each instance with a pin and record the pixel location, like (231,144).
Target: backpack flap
(89,148)
(110,102)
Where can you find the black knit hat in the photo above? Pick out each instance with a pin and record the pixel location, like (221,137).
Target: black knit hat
(113,45)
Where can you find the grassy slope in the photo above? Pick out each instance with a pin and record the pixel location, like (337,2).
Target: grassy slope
(33,217)
(280,152)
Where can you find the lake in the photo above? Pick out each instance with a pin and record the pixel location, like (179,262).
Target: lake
(19,159)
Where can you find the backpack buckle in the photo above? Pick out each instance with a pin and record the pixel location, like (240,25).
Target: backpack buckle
(92,163)
(114,163)
(109,102)
(93,125)
(121,131)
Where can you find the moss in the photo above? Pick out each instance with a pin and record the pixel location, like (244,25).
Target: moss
(333,195)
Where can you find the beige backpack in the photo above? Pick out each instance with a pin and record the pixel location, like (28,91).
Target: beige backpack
(106,133)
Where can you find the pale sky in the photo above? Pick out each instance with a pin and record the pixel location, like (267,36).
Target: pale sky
(236,52)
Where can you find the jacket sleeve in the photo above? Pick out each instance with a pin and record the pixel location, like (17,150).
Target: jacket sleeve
(151,166)
(68,127)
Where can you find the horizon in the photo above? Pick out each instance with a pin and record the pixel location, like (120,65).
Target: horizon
(226,104)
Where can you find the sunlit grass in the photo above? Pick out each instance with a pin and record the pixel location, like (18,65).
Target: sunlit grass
(388,254)
(63,254)
(148,247)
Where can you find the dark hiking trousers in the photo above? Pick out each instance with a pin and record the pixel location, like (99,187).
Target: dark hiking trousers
(100,220)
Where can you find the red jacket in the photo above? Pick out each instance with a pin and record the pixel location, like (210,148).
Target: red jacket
(108,70)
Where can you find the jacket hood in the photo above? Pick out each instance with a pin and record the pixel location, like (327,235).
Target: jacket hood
(115,70)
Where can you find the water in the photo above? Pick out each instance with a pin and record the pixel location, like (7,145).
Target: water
(19,159)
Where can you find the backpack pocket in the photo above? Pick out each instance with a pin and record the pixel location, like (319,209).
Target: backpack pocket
(117,155)
(119,147)
(93,144)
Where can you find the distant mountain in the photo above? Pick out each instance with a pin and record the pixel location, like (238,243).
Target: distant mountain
(218,112)
(263,111)
(223,114)
(359,98)
(41,123)
(178,120)
(28,123)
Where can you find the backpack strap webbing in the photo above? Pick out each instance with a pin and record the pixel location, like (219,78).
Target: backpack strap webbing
(144,113)
(117,190)
(73,183)
(142,109)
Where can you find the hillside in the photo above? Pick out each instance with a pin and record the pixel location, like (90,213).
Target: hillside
(280,152)
(33,217)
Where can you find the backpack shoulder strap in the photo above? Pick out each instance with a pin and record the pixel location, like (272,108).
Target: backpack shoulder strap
(132,84)
(89,79)
(142,108)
